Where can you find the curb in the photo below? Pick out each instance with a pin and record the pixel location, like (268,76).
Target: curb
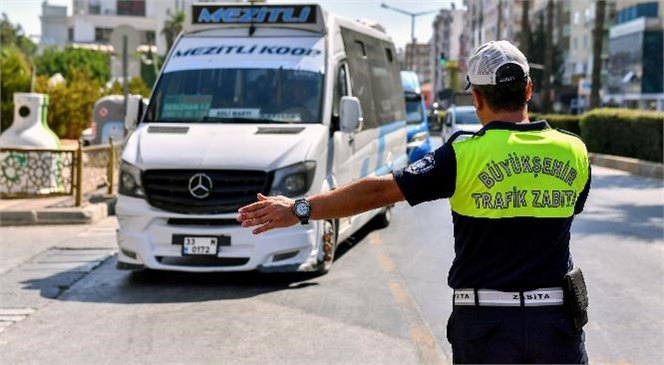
(638,167)
(86,215)
(99,207)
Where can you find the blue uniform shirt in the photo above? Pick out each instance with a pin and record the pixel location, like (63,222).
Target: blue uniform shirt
(508,254)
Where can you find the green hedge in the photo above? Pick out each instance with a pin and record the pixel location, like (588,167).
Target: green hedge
(624,132)
(567,122)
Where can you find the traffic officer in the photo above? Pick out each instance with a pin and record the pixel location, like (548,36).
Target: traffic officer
(514,188)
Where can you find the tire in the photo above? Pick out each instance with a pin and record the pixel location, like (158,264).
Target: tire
(326,258)
(383,219)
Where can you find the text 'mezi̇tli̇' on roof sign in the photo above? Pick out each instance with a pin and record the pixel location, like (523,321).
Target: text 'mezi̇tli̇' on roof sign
(229,14)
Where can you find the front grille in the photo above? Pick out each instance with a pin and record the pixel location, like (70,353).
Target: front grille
(169,190)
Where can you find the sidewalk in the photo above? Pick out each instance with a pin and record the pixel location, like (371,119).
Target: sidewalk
(61,210)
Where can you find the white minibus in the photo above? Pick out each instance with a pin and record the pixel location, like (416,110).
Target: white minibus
(274,99)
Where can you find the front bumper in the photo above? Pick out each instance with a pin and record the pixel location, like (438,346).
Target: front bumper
(145,237)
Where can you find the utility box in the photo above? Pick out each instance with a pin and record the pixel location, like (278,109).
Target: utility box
(108,119)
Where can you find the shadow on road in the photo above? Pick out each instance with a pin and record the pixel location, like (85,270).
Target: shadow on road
(643,221)
(612,214)
(624,181)
(108,285)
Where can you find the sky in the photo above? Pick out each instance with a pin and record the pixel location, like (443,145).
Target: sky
(27,13)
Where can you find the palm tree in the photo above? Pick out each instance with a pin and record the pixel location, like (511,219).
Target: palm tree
(548,59)
(500,19)
(525,26)
(172,28)
(598,39)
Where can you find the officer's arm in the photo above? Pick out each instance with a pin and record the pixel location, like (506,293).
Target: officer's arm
(357,197)
(583,196)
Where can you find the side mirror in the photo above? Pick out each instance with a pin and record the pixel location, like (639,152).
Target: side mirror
(134,111)
(448,121)
(350,114)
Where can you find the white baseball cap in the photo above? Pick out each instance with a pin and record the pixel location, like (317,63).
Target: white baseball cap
(485,63)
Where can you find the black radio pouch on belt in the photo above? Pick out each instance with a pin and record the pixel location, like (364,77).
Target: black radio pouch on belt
(576,297)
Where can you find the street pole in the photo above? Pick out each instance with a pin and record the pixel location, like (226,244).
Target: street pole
(412,29)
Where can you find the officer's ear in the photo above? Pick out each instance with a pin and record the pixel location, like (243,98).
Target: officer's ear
(478,102)
(529,89)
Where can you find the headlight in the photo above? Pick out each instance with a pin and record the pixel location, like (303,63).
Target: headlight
(293,180)
(130,181)
(417,139)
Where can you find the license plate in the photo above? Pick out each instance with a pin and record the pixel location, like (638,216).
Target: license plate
(199,246)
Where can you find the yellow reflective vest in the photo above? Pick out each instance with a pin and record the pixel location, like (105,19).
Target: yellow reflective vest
(529,173)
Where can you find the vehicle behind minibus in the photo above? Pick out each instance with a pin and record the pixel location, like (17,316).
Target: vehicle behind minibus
(419,142)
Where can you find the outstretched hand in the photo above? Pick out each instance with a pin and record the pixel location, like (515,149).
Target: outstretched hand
(268,213)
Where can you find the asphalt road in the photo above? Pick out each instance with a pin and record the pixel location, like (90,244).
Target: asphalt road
(385,301)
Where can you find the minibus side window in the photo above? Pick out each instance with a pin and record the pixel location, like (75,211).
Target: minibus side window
(384,80)
(375,78)
(358,50)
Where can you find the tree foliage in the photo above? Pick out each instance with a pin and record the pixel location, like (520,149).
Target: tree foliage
(136,86)
(537,55)
(548,59)
(172,28)
(15,71)
(85,72)
(150,67)
(63,61)
(13,35)
(524,42)
(71,102)
(598,39)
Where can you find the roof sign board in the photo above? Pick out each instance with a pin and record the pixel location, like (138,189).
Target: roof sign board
(220,14)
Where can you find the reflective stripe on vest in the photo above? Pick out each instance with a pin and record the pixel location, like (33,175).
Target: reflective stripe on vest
(507,173)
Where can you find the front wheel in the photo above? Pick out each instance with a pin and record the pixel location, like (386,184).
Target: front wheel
(383,219)
(328,246)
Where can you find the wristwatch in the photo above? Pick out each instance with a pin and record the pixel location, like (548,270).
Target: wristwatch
(302,210)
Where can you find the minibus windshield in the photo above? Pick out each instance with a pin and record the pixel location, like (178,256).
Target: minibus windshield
(237,95)
(414,112)
(212,79)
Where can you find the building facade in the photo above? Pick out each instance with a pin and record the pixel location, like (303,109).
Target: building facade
(92,24)
(446,44)
(53,24)
(417,59)
(490,20)
(92,21)
(636,58)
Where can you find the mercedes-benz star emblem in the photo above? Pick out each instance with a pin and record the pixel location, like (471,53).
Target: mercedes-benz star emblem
(200,186)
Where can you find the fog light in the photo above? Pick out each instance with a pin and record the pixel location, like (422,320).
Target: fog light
(284,256)
(130,254)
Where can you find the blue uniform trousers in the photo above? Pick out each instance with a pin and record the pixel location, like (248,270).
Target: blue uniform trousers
(515,335)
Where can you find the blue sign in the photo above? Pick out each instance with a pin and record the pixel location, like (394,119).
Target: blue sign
(217,14)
